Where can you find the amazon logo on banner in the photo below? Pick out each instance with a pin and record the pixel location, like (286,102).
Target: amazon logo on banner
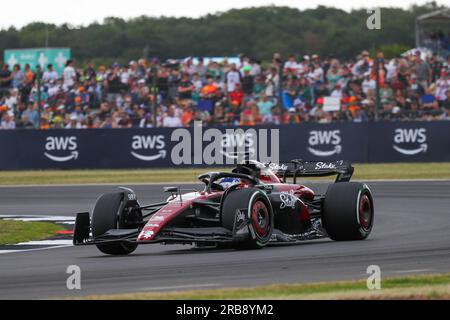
(61,149)
(148,148)
(410,141)
(244,141)
(325,143)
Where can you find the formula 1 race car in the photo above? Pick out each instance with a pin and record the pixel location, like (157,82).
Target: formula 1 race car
(248,207)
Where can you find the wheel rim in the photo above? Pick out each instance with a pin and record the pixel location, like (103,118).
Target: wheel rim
(260,218)
(365,212)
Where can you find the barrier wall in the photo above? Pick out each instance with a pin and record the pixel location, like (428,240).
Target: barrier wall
(160,147)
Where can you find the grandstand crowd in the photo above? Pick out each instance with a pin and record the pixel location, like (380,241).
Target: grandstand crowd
(291,90)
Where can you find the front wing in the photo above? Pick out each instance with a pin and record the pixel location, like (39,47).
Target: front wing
(213,235)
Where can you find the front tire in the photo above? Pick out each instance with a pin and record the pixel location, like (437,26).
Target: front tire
(348,212)
(255,202)
(106,216)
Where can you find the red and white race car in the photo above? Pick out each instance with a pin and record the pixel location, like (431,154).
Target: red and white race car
(248,207)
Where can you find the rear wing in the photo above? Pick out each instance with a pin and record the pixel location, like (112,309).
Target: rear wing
(299,168)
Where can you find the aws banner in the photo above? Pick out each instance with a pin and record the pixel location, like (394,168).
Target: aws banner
(324,142)
(409,141)
(208,146)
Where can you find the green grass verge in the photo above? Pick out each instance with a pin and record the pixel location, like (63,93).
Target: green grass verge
(362,172)
(412,287)
(20,231)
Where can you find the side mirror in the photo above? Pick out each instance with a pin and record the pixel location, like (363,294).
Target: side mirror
(171,189)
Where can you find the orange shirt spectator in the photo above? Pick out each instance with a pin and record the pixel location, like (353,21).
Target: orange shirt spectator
(186,117)
(28,74)
(209,89)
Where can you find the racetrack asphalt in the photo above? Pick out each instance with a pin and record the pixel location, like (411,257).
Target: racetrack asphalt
(411,235)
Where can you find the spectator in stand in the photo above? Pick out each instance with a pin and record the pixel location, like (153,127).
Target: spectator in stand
(290,66)
(124,120)
(255,67)
(146,121)
(317,74)
(11,100)
(74,123)
(8,121)
(5,80)
(445,115)
(213,70)
(17,77)
(247,81)
(221,93)
(273,117)
(247,117)
(337,91)
(403,71)
(442,87)
(233,77)
(333,75)
(422,71)
(390,69)
(257,117)
(50,75)
(436,66)
(237,96)
(32,114)
(24,123)
(29,75)
(101,75)
(362,66)
(209,90)
(107,123)
(276,61)
(209,94)
(162,82)
(69,75)
(219,114)
(415,87)
(188,67)
(272,83)
(89,72)
(185,89)
(368,84)
(264,105)
(197,82)
(445,104)
(292,117)
(114,83)
(171,119)
(201,69)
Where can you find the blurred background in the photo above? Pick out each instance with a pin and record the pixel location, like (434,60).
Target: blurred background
(246,63)
(267,64)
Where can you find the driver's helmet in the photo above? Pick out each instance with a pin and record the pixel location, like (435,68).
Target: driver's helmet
(228,182)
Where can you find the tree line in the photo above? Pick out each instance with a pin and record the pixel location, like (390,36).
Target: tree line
(257,32)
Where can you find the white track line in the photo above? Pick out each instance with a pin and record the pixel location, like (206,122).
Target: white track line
(189,286)
(37,249)
(45,243)
(25,217)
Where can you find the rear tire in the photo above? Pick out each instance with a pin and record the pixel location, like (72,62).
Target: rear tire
(258,206)
(106,216)
(348,212)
